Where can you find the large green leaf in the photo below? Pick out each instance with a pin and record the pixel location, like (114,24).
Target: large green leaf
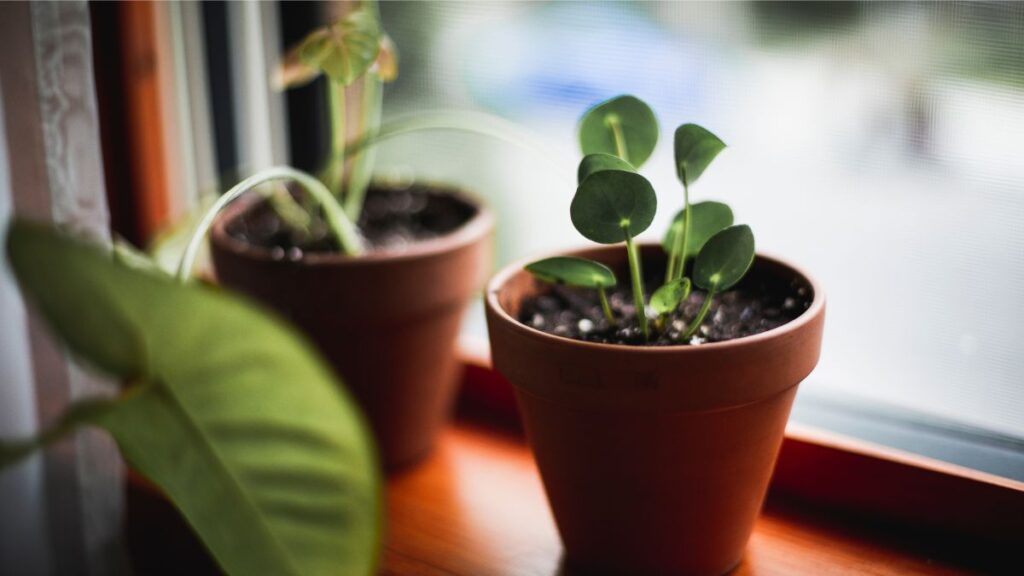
(225,409)
(346,49)
(707,219)
(623,126)
(611,202)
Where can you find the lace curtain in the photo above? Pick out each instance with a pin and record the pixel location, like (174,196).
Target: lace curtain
(60,509)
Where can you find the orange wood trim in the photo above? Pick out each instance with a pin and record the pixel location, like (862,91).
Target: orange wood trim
(969,508)
(144,112)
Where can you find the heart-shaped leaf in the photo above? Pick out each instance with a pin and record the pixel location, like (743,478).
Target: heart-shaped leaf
(346,49)
(623,126)
(695,148)
(706,220)
(573,271)
(610,203)
(667,298)
(726,257)
(597,162)
(227,410)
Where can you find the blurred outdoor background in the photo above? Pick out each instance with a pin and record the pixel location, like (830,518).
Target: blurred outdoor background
(879,145)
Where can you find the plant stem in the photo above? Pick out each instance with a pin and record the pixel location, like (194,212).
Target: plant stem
(638,283)
(362,164)
(699,319)
(605,307)
(344,230)
(465,121)
(620,139)
(462,121)
(75,415)
(681,268)
(336,166)
(295,215)
(673,255)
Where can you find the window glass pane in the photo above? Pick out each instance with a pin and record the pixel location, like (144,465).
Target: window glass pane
(879,145)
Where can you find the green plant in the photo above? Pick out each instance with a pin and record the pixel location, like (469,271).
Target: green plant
(350,50)
(225,409)
(614,204)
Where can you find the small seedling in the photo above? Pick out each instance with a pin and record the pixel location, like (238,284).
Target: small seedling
(613,203)
(351,49)
(695,148)
(354,54)
(612,206)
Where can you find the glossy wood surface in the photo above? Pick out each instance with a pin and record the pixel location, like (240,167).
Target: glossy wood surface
(476,507)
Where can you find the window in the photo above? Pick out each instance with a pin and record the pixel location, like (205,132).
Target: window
(877,144)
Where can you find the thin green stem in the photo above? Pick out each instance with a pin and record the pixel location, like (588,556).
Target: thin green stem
(362,163)
(344,230)
(605,307)
(699,319)
(638,284)
(295,215)
(336,166)
(681,267)
(463,121)
(77,414)
(620,139)
(469,122)
(673,255)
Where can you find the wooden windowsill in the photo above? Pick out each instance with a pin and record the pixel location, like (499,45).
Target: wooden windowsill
(830,497)
(476,507)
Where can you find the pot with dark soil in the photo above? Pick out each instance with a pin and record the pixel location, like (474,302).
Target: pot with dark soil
(386,320)
(378,276)
(655,421)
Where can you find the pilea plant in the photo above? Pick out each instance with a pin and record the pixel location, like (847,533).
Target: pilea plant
(613,204)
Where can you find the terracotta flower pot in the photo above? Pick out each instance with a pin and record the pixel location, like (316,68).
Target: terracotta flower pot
(386,321)
(655,460)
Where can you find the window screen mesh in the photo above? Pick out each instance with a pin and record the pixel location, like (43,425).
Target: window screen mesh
(879,145)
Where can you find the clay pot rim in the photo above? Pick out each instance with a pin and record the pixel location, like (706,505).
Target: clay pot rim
(478,226)
(499,280)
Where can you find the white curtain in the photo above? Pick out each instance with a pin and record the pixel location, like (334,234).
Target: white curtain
(60,511)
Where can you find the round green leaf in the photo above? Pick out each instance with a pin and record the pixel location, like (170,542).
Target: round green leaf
(695,148)
(726,257)
(707,219)
(610,202)
(228,410)
(346,49)
(631,118)
(597,162)
(667,298)
(573,271)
